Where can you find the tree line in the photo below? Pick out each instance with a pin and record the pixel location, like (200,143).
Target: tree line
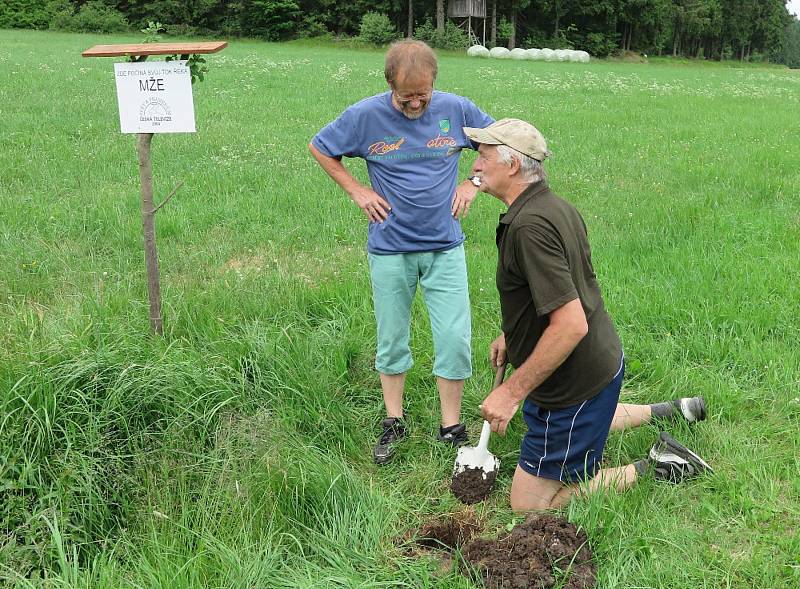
(755,30)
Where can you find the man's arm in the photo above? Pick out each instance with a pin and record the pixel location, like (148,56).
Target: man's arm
(466,191)
(369,201)
(462,200)
(567,328)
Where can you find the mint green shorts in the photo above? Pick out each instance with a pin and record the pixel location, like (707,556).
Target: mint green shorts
(443,278)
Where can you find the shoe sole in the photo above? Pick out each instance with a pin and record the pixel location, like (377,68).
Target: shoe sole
(683,452)
(454,443)
(697,412)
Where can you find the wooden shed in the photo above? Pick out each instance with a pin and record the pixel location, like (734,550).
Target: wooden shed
(466,8)
(463,11)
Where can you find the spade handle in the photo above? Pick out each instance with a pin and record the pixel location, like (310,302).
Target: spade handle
(499,375)
(483,443)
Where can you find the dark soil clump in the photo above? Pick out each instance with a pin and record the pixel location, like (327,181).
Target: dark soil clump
(472,485)
(543,552)
(448,534)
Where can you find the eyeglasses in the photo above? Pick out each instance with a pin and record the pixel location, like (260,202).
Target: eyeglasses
(405,99)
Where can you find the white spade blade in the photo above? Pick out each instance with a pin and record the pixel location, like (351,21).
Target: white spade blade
(477,456)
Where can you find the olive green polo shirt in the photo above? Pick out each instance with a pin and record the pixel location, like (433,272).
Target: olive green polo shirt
(544,262)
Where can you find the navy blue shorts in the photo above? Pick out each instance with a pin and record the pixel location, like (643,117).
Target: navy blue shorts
(567,444)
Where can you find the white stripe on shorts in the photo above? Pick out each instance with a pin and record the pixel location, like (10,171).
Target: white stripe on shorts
(621,364)
(546,427)
(569,441)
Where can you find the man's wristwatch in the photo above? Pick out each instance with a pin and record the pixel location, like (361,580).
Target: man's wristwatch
(476,181)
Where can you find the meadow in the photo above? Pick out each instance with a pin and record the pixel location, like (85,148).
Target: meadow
(235,451)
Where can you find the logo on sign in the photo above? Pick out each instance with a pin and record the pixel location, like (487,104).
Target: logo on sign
(155,111)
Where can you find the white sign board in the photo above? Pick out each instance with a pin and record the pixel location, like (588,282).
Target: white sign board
(155,97)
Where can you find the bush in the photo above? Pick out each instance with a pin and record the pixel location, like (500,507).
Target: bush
(377,28)
(97,17)
(181,30)
(504,30)
(453,36)
(29,14)
(540,39)
(313,26)
(601,44)
(272,20)
(93,17)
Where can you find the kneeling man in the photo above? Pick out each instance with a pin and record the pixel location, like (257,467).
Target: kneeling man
(559,337)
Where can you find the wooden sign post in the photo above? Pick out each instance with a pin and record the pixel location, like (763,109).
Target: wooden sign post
(153,98)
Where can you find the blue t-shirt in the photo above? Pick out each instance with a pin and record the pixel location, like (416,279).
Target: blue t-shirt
(412,163)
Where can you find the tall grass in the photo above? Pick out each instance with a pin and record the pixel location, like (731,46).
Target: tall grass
(236,451)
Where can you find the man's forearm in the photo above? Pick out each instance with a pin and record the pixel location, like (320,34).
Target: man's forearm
(555,346)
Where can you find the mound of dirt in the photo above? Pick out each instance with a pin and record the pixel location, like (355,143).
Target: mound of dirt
(543,552)
(472,485)
(632,57)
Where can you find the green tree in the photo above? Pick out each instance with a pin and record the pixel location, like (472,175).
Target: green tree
(770,31)
(739,25)
(691,20)
(790,51)
(272,20)
(645,25)
(516,7)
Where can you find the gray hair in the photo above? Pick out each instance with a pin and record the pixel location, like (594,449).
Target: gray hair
(531,170)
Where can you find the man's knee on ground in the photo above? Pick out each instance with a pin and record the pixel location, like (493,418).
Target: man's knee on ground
(523,504)
(532,493)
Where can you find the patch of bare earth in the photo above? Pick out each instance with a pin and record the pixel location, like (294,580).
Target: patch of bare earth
(544,552)
(442,536)
(448,533)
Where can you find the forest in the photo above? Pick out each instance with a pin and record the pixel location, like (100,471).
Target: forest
(746,30)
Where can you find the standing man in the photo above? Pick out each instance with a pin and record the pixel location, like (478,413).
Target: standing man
(557,334)
(411,138)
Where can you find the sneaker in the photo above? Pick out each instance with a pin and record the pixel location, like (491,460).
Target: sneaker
(674,462)
(394,430)
(692,408)
(455,434)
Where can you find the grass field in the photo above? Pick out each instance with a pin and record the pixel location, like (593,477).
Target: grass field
(236,451)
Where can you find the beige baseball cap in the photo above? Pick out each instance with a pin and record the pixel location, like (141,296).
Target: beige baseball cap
(515,133)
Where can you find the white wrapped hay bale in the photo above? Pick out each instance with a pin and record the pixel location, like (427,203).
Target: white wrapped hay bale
(518,53)
(573,55)
(499,53)
(583,57)
(548,54)
(535,54)
(478,51)
(561,55)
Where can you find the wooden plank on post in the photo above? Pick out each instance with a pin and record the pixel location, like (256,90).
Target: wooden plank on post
(154,49)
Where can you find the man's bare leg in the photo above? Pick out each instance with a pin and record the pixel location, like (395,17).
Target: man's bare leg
(450,392)
(392,385)
(627,416)
(530,492)
(691,409)
(393,427)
